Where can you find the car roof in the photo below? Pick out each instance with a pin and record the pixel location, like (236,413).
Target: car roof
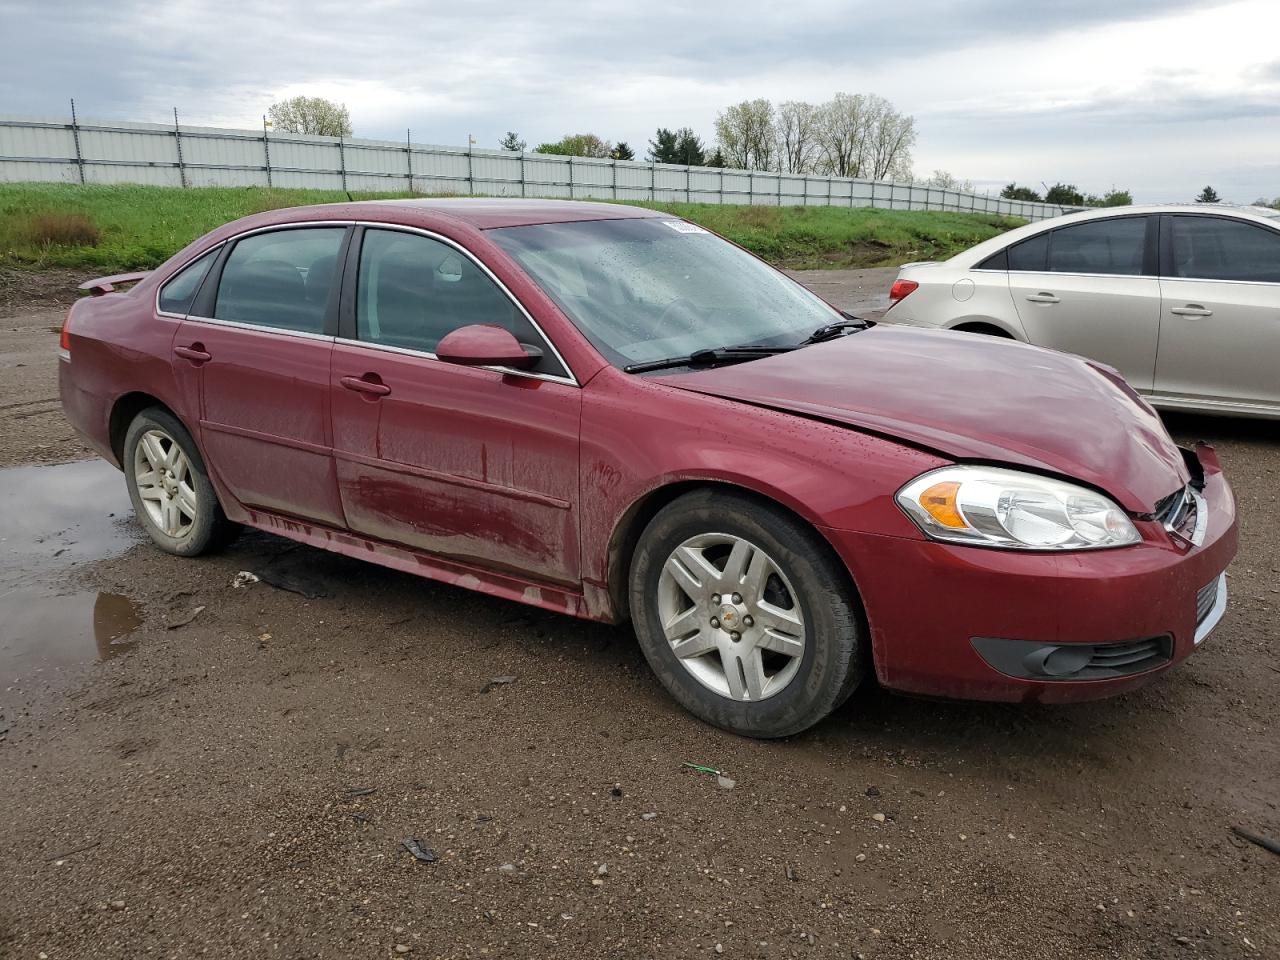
(1263,215)
(483,213)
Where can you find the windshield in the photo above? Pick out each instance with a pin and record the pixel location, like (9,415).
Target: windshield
(643,290)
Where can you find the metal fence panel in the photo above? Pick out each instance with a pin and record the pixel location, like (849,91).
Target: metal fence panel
(59,150)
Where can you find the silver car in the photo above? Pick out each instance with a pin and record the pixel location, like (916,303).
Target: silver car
(1184,300)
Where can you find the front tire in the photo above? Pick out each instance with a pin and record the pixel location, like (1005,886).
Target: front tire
(171,493)
(745,614)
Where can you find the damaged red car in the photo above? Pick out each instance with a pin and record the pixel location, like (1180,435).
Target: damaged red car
(612,413)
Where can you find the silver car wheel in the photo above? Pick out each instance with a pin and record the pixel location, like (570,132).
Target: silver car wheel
(731,616)
(163,477)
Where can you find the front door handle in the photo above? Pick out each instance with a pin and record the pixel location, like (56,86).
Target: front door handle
(368,384)
(1191,310)
(196,353)
(1043,297)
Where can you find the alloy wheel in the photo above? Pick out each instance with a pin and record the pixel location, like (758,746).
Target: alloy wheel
(731,616)
(165,484)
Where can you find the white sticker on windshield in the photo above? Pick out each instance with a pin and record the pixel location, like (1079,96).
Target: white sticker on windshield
(683,226)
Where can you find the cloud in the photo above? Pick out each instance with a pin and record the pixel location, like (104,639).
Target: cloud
(992,82)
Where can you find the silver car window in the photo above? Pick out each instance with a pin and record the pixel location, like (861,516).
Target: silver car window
(1219,248)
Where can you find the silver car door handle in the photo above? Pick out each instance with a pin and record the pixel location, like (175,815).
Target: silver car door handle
(1043,297)
(1191,310)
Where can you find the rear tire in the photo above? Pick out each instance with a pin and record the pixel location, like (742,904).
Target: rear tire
(169,487)
(745,614)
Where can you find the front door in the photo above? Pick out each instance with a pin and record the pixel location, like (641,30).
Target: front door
(1220,323)
(261,358)
(476,465)
(1085,289)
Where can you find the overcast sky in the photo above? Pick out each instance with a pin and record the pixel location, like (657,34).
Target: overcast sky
(1160,97)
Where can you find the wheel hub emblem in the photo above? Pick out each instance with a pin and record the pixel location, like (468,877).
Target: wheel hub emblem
(729,617)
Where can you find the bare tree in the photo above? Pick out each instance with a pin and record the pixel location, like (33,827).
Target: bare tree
(890,137)
(312,115)
(746,133)
(797,126)
(842,134)
(948,181)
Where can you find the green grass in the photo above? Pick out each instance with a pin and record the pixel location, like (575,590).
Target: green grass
(140,227)
(807,237)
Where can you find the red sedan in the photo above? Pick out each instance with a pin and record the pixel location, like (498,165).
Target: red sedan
(612,413)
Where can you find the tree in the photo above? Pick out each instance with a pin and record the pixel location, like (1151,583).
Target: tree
(623,152)
(689,150)
(1064,195)
(1274,203)
(842,134)
(716,159)
(1112,198)
(311,115)
(797,126)
(746,134)
(864,135)
(663,146)
(1015,192)
(945,180)
(890,137)
(512,142)
(577,145)
(1208,195)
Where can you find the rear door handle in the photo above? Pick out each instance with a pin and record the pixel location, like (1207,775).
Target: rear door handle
(1191,310)
(1043,297)
(366,384)
(196,353)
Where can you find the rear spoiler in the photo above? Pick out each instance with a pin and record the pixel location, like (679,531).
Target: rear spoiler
(104,285)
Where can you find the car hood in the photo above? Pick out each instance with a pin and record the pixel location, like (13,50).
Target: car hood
(970,397)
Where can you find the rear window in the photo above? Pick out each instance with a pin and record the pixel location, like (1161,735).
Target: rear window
(1029,254)
(281,279)
(1099,246)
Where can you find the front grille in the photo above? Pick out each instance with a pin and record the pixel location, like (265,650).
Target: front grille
(1206,597)
(1180,512)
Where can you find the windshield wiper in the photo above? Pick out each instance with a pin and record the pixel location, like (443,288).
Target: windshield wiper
(702,358)
(832,330)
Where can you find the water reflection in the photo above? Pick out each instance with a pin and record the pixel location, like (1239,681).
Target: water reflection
(53,518)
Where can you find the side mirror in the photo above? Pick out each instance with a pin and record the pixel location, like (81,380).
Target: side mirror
(485,345)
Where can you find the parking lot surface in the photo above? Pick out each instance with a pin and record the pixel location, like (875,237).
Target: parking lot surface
(191,767)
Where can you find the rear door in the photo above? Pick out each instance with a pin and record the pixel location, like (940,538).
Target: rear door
(257,347)
(1220,326)
(1091,289)
(475,464)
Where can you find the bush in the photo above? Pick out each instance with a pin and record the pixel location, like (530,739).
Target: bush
(60,229)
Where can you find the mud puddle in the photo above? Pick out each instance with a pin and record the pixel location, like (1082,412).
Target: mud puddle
(52,520)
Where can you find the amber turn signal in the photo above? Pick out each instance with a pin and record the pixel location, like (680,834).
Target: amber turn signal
(940,503)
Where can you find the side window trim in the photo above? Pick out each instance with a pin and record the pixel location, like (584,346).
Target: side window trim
(347,332)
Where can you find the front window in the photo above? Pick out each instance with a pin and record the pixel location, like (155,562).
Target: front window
(648,289)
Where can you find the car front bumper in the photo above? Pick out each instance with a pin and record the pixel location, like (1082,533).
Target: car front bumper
(985,624)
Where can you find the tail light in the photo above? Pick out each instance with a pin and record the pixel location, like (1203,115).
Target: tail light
(64,340)
(900,289)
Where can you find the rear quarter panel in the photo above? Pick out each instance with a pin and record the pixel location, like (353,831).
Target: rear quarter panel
(949,297)
(118,346)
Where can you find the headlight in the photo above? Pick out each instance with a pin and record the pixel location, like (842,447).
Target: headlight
(987,506)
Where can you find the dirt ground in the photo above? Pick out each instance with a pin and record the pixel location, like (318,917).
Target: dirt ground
(192,768)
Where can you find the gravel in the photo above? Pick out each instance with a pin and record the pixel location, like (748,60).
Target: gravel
(208,778)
